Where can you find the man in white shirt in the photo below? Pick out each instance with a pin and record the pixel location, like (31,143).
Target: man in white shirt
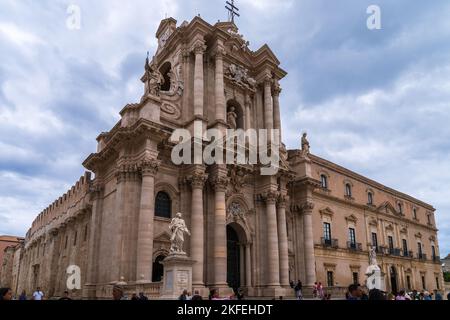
(38,294)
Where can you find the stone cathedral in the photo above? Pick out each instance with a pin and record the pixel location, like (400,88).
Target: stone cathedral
(313,221)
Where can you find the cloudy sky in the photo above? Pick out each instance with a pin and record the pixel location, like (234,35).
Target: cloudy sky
(375,101)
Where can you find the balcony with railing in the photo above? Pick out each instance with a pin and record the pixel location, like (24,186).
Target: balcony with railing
(421,256)
(329,243)
(382,250)
(354,246)
(395,252)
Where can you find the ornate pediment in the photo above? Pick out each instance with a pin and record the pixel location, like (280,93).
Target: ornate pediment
(418,235)
(404,229)
(432,238)
(326,212)
(388,208)
(373,222)
(351,218)
(390,227)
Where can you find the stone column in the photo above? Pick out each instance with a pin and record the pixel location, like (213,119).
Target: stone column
(219,85)
(283,241)
(242,264)
(273,260)
(248,266)
(276,108)
(310,265)
(199,49)
(197,228)
(220,234)
(247,112)
(268,103)
(144,259)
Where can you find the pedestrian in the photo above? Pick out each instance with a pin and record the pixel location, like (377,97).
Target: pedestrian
(354,292)
(134,297)
(401,296)
(196,296)
(65,296)
(118,293)
(376,294)
(142,296)
(437,295)
(315,290)
(240,294)
(427,296)
(23,296)
(298,290)
(320,290)
(184,295)
(38,294)
(6,294)
(291,283)
(448,296)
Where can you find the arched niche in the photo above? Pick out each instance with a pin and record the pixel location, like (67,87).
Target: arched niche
(234,106)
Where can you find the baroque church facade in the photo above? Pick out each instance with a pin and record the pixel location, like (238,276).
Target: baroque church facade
(313,221)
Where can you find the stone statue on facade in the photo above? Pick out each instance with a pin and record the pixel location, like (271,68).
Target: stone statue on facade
(375,278)
(153,79)
(178,229)
(305,144)
(231,118)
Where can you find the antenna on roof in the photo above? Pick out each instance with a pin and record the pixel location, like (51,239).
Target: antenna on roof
(232,10)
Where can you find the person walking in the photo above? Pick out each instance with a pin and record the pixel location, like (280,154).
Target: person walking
(23,296)
(401,296)
(38,294)
(320,290)
(184,295)
(6,294)
(65,296)
(437,295)
(298,290)
(142,296)
(354,292)
(315,290)
(196,296)
(118,293)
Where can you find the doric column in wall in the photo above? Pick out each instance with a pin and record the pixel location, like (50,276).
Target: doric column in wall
(276,107)
(268,103)
(248,266)
(197,181)
(283,241)
(144,260)
(273,258)
(220,183)
(199,49)
(94,235)
(219,84)
(310,266)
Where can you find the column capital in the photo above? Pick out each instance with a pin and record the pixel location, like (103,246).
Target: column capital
(282,201)
(270,197)
(307,207)
(199,47)
(149,166)
(219,52)
(268,80)
(277,89)
(220,183)
(198,180)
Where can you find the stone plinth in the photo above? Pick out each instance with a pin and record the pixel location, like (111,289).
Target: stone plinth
(177,276)
(375,278)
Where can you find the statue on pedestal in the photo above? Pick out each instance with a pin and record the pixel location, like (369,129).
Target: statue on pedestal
(178,229)
(305,144)
(375,278)
(231,118)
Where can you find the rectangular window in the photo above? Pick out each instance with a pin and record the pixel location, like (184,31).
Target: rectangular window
(419,249)
(355,278)
(85,232)
(437,283)
(408,282)
(330,280)
(405,248)
(429,218)
(433,252)
(352,237)
(75,238)
(374,240)
(391,244)
(423,283)
(327,232)
(415,213)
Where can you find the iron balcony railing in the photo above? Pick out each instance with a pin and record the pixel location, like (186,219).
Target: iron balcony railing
(354,246)
(421,256)
(329,243)
(395,252)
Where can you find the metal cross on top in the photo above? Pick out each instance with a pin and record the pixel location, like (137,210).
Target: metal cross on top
(232,10)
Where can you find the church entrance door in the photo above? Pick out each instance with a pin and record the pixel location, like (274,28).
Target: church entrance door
(233,259)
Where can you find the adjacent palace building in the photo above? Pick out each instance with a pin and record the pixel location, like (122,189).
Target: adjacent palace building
(313,221)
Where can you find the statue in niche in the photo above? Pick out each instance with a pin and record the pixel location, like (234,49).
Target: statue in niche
(153,79)
(178,228)
(305,144)
(232,118)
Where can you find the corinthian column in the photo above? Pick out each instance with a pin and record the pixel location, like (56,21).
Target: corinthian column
(310,265)
(276,107)
(273,260)
(197,228)
(219,86)
(220,233)
(145,228)
(199,49)
(283,241)
(268,103)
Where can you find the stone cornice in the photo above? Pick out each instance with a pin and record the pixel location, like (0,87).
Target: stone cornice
(348,173)
(373,210)
(120,135)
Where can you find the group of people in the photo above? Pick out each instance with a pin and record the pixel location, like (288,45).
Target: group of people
(7,294)
(356,292)
(318,291)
